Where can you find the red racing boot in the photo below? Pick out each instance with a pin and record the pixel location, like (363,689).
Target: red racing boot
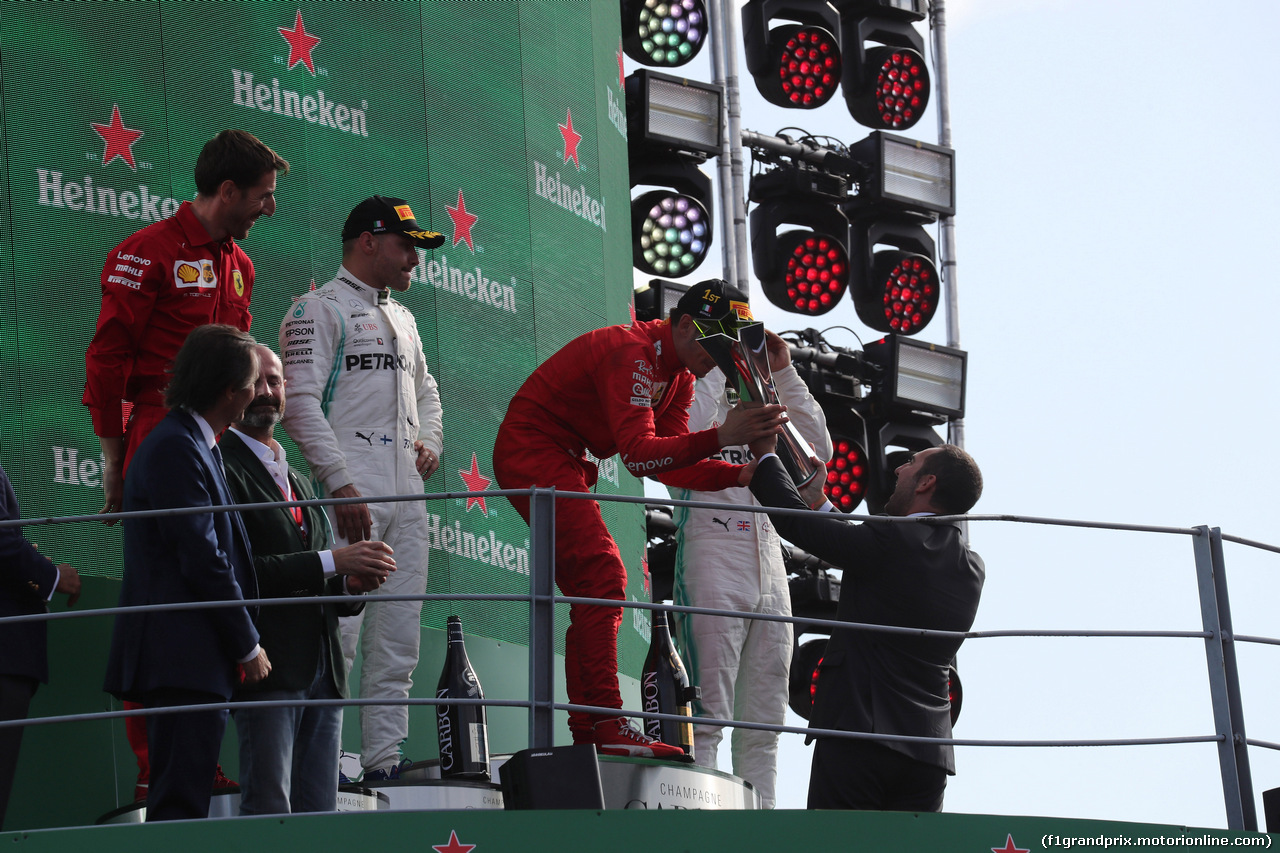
(617,736)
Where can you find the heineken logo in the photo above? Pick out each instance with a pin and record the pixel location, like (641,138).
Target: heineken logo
(118,139)
(463,221)
(471,283)
(135,202)
(571,140)
(316,107)
(301,44)
(617,113)
(577,200)
(304,106)
(475,482)
(484,547)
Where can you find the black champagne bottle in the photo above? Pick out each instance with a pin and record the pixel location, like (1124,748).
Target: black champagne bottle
(461,730)
(664,687)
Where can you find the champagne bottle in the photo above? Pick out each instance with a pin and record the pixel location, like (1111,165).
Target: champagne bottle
(461,730)
(664,686)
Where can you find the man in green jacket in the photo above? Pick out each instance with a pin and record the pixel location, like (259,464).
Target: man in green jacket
(289,755)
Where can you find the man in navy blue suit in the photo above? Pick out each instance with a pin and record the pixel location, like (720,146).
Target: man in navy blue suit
(188,657)
(914,575)
(28,580)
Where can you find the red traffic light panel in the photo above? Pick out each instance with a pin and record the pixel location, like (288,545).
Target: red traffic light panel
(847,475)
(901,87)
(817,272)
(909,283)
(809,66)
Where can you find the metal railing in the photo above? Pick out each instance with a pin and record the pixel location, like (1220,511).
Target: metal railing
(1216,631)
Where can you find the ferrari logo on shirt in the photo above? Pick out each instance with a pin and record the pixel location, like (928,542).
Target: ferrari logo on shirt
(237,281)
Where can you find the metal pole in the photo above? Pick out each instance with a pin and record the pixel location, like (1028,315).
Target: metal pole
(738,199)
(542,645)
(947,224)
(1234,703)
(719,44)
(1219,691)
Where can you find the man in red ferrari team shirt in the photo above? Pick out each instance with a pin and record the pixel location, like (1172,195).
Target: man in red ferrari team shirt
(625,390)
(168,278)
(159,284)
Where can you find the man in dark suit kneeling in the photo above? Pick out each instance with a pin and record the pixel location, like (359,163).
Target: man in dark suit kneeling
(289,755)
(188,657)
(917,574)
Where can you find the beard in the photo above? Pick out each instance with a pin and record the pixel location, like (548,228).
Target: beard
(262,414)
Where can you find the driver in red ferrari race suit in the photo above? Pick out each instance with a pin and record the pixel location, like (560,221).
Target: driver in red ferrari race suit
(625,390)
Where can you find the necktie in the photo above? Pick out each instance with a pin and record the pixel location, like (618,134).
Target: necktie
(223,488)
(295,511)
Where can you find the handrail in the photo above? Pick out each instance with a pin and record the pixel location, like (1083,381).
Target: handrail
(1216,632)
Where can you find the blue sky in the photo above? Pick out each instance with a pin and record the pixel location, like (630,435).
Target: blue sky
(1115,173)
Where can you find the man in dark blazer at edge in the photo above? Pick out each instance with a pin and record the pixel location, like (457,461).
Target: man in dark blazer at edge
(186,657)
(289,755)
(28,580)
(911,574)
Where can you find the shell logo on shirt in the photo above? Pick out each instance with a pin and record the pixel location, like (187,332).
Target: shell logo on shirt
(194,274)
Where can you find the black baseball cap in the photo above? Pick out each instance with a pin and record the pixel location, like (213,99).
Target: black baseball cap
(717,307)
(386,215)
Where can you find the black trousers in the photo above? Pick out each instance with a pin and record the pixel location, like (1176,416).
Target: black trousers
(860,774)
(15,699)
(184,754)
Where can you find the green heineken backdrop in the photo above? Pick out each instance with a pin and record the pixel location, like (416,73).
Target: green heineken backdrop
(491,118)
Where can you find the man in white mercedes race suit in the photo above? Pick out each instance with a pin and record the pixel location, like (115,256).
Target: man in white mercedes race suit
(366,414)
(733,561)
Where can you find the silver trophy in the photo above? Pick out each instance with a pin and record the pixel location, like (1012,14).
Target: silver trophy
(745,364)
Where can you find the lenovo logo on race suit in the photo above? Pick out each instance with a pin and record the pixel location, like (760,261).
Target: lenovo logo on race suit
(647,465)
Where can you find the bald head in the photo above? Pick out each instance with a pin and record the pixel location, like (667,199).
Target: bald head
(267,407)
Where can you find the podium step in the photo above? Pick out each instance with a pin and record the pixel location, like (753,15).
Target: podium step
(639,783)
(226,803)
(627,783)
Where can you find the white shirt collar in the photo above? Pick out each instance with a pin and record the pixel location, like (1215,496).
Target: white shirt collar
(260,450)
(369,294)
(209,438)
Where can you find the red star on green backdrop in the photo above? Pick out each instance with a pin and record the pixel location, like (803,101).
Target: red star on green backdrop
(119,139)
(476,482)
(571,140)
(462,222)
(454,845)
(622,73)
(1010,847)
(300,44)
